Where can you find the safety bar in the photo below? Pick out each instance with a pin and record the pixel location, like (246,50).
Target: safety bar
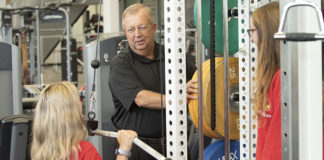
(280,35)
(137,141)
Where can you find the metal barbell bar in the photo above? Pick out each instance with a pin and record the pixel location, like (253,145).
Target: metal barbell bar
(137,141)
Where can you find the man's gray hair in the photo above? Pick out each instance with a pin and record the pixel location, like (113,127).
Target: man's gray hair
(133,9)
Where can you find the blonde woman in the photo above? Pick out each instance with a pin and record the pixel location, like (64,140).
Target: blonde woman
(59,131)
(264,24)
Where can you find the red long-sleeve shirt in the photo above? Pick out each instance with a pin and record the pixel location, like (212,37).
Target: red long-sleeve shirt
(269,130)
(88,151)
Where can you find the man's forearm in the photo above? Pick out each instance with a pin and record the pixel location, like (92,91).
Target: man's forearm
(150,99)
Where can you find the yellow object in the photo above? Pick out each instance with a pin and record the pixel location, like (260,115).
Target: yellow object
(233,76)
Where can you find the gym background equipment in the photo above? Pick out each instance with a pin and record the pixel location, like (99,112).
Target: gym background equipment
(10,78)
(15,137)
(103,104)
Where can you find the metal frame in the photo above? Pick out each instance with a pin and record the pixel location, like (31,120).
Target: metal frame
(68,48)
(175,73)
(16,80)
(247,67)
(226,66)
(5,31)
(39,58)
(11,90)
(32,55)
(301,106)
(38,44)
(199,60)
(289,96)
(247,64)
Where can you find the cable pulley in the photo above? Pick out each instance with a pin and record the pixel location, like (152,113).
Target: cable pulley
(92,124)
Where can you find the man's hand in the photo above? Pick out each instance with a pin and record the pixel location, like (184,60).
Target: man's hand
(192,88)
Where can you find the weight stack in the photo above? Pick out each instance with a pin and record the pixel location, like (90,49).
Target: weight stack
(74,64)
(10,78)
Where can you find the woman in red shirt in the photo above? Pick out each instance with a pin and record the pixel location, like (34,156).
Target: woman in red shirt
(59,130)
(267,95)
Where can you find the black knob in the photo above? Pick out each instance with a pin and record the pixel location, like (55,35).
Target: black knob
(233,12)
(95,63)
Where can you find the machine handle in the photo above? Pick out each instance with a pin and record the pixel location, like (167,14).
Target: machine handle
(137,141)
(281,35)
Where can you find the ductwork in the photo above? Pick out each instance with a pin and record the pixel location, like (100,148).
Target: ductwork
(46,3)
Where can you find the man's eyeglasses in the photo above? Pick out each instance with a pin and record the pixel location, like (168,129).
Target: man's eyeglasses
(140,28)
(249,31)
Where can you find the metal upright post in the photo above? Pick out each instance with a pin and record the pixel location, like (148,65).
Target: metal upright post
(175,79)
(39,57)
(226,111)
(199,62)
(247,71)
(289,93)
(6,27)
(1,27)
(32,57)
(68,48)
(301,91)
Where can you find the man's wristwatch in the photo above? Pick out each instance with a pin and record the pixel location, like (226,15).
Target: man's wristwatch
(123,152)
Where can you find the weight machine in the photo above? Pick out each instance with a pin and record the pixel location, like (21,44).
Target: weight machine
(308,83)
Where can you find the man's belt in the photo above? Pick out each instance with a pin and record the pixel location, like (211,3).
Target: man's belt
(153,140)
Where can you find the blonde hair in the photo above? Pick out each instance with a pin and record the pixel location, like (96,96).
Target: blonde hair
(133,9)
(59,125)
(266,21)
